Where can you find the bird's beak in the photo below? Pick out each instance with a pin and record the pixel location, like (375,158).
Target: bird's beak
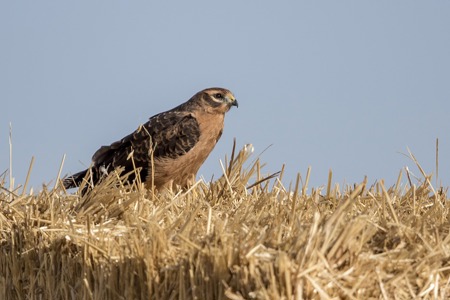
(234,103)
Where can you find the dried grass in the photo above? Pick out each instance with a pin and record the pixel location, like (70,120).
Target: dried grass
(224,240)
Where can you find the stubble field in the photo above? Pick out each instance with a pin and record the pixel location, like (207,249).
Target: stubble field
(242,236)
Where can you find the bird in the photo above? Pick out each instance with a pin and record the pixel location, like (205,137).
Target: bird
(168,150)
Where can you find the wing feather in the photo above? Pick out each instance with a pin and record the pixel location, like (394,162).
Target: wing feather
(166,135)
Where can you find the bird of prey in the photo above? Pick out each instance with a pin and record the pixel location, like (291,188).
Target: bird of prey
(168,150)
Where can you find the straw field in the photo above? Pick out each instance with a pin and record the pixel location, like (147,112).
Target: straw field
(242,236)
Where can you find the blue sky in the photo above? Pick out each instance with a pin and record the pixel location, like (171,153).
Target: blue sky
(341,85)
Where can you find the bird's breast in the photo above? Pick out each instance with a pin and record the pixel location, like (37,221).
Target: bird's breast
(211,127)
(184,168)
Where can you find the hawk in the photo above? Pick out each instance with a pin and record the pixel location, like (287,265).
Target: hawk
(170,147)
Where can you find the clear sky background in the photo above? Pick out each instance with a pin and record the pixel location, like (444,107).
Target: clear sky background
(341,85)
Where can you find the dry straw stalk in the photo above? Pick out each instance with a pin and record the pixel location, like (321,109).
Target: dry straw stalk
(224,240)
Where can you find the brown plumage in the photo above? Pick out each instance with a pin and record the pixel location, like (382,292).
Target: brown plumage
(170,147)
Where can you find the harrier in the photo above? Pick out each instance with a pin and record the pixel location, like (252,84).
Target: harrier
(169,149)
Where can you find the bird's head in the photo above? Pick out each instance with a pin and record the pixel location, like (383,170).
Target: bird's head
(216,100)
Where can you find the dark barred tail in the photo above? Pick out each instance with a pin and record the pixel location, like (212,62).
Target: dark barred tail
(74,180)
(94,175)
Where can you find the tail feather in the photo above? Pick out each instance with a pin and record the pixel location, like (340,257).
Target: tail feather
(75,180)
(96,174)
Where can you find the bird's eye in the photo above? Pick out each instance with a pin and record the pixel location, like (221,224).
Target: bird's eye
(219,96)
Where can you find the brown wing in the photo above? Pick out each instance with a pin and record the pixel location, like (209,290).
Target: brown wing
(167,135)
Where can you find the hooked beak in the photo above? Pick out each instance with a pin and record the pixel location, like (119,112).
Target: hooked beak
(235,103)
